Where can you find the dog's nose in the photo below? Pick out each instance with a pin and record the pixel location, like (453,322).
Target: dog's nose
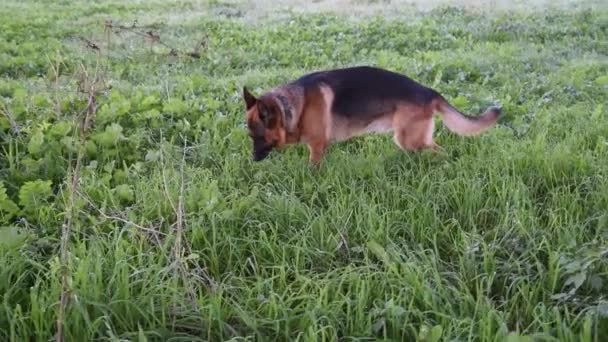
(259,156)
(261,152)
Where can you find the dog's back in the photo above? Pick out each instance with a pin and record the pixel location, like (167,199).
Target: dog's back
(366,93)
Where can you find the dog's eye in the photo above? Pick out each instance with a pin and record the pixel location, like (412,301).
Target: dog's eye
(263,114)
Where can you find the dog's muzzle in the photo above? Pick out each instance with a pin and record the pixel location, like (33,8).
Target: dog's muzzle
(261,151)
(257,156)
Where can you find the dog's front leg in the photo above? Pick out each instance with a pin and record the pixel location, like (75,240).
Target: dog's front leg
(317,150)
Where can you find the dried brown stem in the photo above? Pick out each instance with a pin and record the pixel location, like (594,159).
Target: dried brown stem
(179,213)
(120,219)
(155,38)
(66,229)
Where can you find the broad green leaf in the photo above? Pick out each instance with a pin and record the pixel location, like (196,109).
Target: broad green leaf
(20,94)
(514,337)
(124,192)
(576,280)
(11,237)
(110,136)
(34,193)
(602,80)
(8,208)
(35,144)
(460,102)
(152,155)
(176,107)
(435,333)
(378,325)
(60,129)
(378,251)
(148,101)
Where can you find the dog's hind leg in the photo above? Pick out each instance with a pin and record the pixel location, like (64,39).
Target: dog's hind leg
(414,129)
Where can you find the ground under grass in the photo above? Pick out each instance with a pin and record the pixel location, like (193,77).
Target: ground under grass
(151,222)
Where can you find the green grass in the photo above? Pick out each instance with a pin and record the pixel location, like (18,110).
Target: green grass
(176,234)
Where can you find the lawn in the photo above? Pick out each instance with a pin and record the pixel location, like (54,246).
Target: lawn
(131,209)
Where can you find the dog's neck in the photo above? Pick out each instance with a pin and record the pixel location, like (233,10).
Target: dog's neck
(286,108)
(291,107)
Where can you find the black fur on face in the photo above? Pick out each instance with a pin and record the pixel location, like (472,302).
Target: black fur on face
(261,148)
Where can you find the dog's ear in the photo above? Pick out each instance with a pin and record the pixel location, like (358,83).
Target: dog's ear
(250,100)
(268,114)
(265,113)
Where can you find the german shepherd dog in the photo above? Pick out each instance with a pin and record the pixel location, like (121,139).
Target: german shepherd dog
(326,107)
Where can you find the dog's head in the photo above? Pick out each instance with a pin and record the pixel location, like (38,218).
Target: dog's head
(265,124)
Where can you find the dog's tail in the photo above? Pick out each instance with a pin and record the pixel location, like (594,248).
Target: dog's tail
(463,124)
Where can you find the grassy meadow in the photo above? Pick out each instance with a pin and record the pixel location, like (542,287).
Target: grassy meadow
(131,209)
